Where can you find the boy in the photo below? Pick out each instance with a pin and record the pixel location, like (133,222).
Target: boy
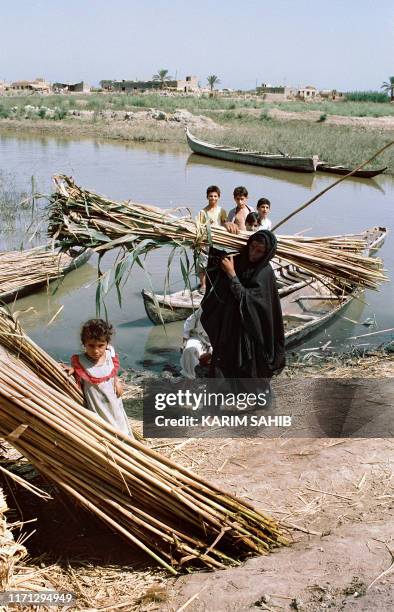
(238,214)
(216,215)
(213,212)
(263,209)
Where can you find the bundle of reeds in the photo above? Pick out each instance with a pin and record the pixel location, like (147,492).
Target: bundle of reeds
(81,217)
(19,269)
(171,514)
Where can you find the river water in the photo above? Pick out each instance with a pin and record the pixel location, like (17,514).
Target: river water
(170,176)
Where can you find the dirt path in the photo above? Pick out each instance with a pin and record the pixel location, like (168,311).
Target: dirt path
(339,490)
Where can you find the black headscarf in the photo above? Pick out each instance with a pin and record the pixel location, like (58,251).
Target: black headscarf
(244,321)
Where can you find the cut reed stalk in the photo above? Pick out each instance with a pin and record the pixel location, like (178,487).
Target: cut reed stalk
(169,513)
(83,218)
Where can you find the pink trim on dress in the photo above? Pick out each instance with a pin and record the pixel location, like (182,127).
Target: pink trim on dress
(81,374)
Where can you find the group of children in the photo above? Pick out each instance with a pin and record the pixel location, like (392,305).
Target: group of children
(241,218)
(95,369)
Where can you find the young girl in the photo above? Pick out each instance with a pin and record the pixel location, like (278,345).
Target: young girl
(96,372)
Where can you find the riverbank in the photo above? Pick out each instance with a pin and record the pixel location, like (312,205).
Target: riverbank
(333,495)
(343,140)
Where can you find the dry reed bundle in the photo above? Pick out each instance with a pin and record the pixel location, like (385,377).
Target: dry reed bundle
(19,269)
(171,514)
(81,217)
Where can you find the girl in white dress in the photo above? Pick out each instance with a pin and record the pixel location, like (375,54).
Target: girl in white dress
(96,371)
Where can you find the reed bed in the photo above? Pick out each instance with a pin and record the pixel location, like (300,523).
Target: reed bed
(81,217)
(174,516)
(19,269)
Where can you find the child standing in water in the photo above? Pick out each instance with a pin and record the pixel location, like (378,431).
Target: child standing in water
(96,371)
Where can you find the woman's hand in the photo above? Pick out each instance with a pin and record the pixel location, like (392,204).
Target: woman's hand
(227,265)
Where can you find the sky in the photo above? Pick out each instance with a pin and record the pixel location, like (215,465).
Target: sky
(341,44)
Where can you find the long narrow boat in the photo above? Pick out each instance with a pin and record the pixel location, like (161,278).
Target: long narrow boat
(307,303)
(256,158)
(323,167)
(15,286)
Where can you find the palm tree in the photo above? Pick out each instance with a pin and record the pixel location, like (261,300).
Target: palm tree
(162,76)
(212,81)
(389,87)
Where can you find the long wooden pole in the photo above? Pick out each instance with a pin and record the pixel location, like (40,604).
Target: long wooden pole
(295,212)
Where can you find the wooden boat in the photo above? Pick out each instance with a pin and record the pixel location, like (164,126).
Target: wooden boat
(307,303)
(257,158)
(323,167)
(65,262)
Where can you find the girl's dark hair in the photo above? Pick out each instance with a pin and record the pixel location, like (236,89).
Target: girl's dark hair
(95,329)
(213,189)
(252,218)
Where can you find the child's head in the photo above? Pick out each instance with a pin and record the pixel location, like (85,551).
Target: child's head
(240,196)
(252,222)
(263,207)
(95,336)
(213,194)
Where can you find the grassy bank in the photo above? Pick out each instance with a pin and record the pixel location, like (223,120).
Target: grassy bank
(16,105)
(337,144)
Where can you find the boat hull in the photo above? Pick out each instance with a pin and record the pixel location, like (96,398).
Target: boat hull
(279,162)
(343,171)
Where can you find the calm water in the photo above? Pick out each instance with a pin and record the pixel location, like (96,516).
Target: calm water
(168,177)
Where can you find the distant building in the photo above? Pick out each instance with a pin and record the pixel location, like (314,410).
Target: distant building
(331,94)
(189,84)
(3,87)
(277,93)
(307,93)
(132,86)
(80,87)
(39,85)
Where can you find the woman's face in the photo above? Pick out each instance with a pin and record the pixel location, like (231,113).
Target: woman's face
(257,250)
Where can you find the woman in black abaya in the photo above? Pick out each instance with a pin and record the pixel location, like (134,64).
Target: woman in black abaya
(242,312)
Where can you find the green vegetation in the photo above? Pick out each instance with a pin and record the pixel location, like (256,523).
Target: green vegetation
(366,96)
(162,76)
(334,144)
(15,105)
(213,80)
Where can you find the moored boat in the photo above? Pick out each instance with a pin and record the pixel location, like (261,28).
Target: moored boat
(16,283)
(307,303)
(323,167)
(257,158)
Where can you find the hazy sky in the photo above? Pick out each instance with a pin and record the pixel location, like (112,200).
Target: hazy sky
(344,44)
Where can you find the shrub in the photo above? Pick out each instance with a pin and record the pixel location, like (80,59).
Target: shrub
(322,118)
(59,114)
(264,116)
(4,112)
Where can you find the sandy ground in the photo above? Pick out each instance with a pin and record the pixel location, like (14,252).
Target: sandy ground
(340,491)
